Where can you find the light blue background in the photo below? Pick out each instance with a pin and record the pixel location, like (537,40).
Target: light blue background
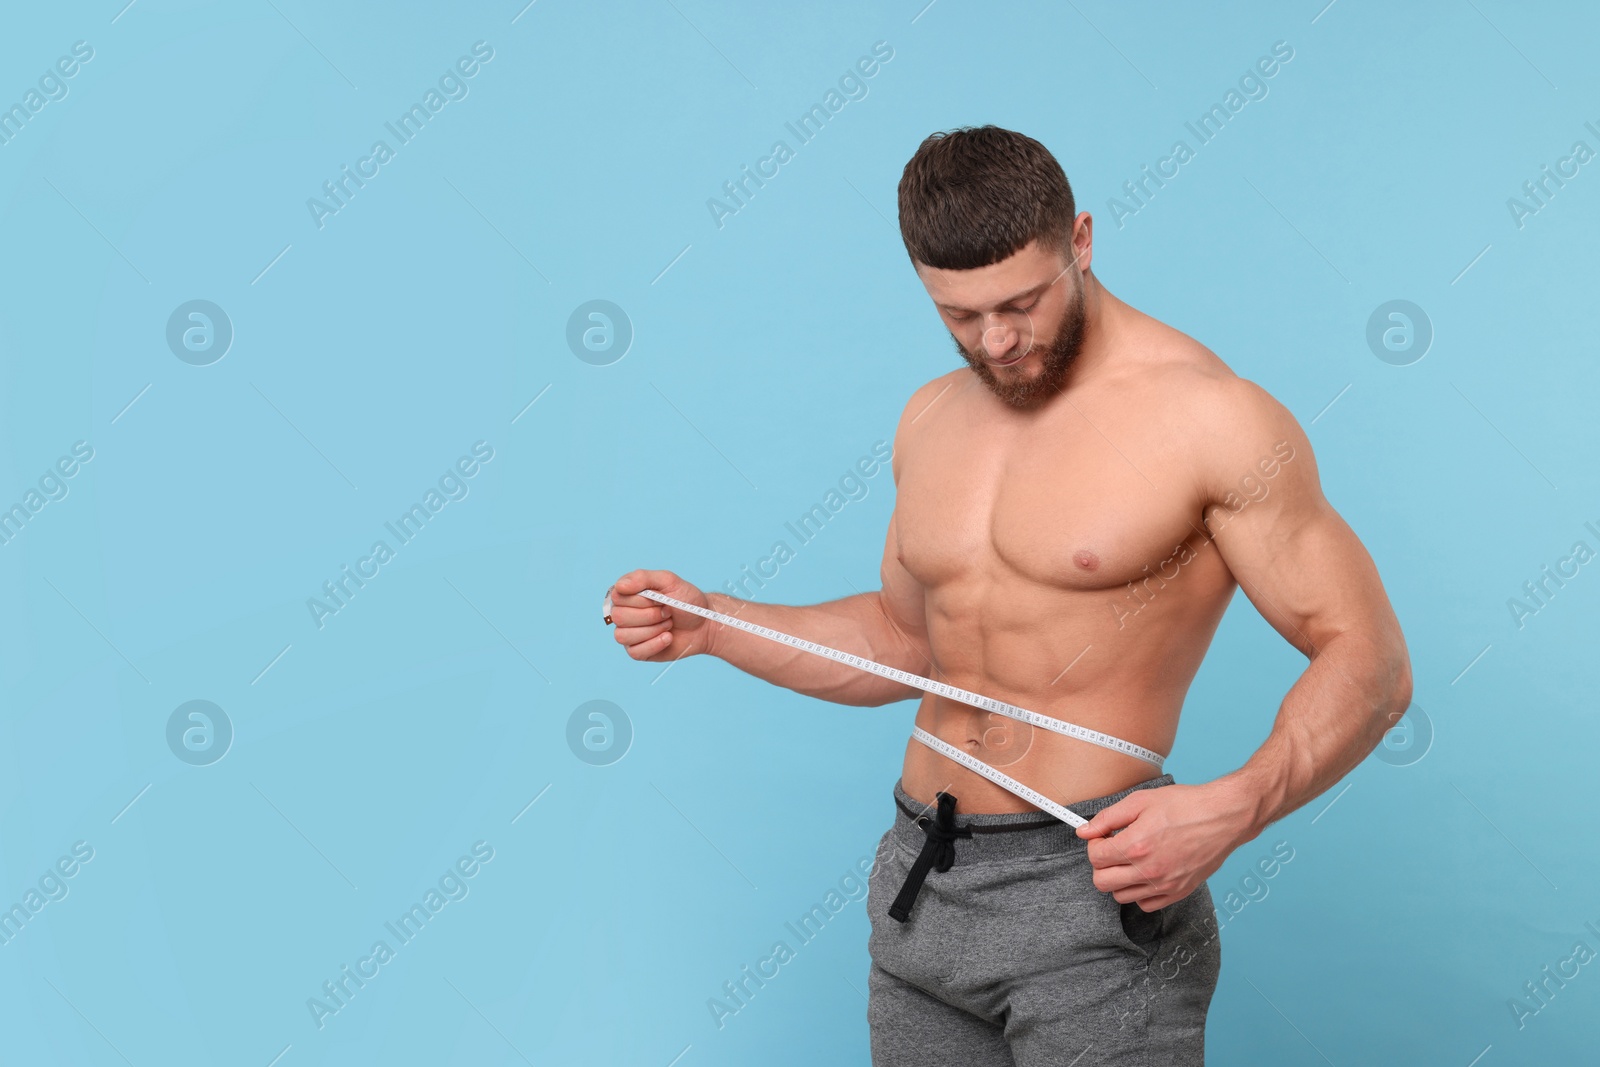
(427,314)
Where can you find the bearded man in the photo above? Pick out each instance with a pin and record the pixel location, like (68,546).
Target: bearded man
(1074,509)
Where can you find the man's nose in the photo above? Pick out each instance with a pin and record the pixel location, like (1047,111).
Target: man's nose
(999,338)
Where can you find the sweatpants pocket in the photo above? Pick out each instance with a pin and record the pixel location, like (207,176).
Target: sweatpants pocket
(1141,928)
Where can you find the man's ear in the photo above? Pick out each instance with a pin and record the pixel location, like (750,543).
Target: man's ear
(1082,243)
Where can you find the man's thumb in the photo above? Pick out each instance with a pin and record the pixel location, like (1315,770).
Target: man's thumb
(1117,816)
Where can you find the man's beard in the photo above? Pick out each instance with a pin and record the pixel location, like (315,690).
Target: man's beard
(1055,359)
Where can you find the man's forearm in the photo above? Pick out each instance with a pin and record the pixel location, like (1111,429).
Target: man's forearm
(1335,714)
(855,624)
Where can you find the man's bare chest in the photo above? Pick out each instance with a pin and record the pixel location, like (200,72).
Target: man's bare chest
(1071,508)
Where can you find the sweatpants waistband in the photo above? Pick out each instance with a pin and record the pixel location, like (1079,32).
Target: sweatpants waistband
(1012,835)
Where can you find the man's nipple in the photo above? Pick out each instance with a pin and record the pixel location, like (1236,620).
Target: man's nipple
(1086,559)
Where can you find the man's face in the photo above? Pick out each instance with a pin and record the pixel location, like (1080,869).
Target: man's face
(1017,323)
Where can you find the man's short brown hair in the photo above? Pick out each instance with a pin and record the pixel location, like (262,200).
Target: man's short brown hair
(976,195)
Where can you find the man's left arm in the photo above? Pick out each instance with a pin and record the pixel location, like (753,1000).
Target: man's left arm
(1310,577)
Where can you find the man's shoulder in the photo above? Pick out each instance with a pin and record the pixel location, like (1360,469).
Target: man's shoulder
(1223,423)
(1168,358)
(1237,432)
(1202,392)
(926,395)
(951,379)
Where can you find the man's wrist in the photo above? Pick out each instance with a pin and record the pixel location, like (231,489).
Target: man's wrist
(725,605)
(1252,800)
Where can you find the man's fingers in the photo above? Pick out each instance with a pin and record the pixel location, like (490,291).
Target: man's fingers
(1117,816)
(627,600)
(631,582)
(1124,880)
(651,646)
(1140,893)
(645,616)
(626,589)
(1119,851)
(634,635)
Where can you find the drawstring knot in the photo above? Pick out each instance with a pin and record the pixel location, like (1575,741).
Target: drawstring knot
(938,853)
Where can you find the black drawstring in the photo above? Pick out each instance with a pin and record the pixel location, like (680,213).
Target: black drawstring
(938,853)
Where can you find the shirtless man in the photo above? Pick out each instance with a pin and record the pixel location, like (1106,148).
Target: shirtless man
(1073,511)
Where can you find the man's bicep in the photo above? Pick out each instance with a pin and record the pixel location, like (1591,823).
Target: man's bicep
(901,594)
(1293,555)
(1310,578)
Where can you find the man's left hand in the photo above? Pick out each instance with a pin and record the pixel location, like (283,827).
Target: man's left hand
(1167,840)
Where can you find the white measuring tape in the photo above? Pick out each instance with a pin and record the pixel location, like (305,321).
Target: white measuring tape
(1004,781)
(916,681)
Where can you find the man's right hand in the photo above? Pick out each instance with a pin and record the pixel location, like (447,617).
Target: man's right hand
(652,632)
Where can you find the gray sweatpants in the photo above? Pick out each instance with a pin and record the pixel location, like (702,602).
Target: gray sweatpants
(1012,956)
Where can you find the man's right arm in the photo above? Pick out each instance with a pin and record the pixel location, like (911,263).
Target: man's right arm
(888,625)
(885,625)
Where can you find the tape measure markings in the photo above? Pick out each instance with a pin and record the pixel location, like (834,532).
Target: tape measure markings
(1005,781)
(917,681)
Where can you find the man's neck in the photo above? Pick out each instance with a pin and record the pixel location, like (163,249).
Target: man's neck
(1104,319)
